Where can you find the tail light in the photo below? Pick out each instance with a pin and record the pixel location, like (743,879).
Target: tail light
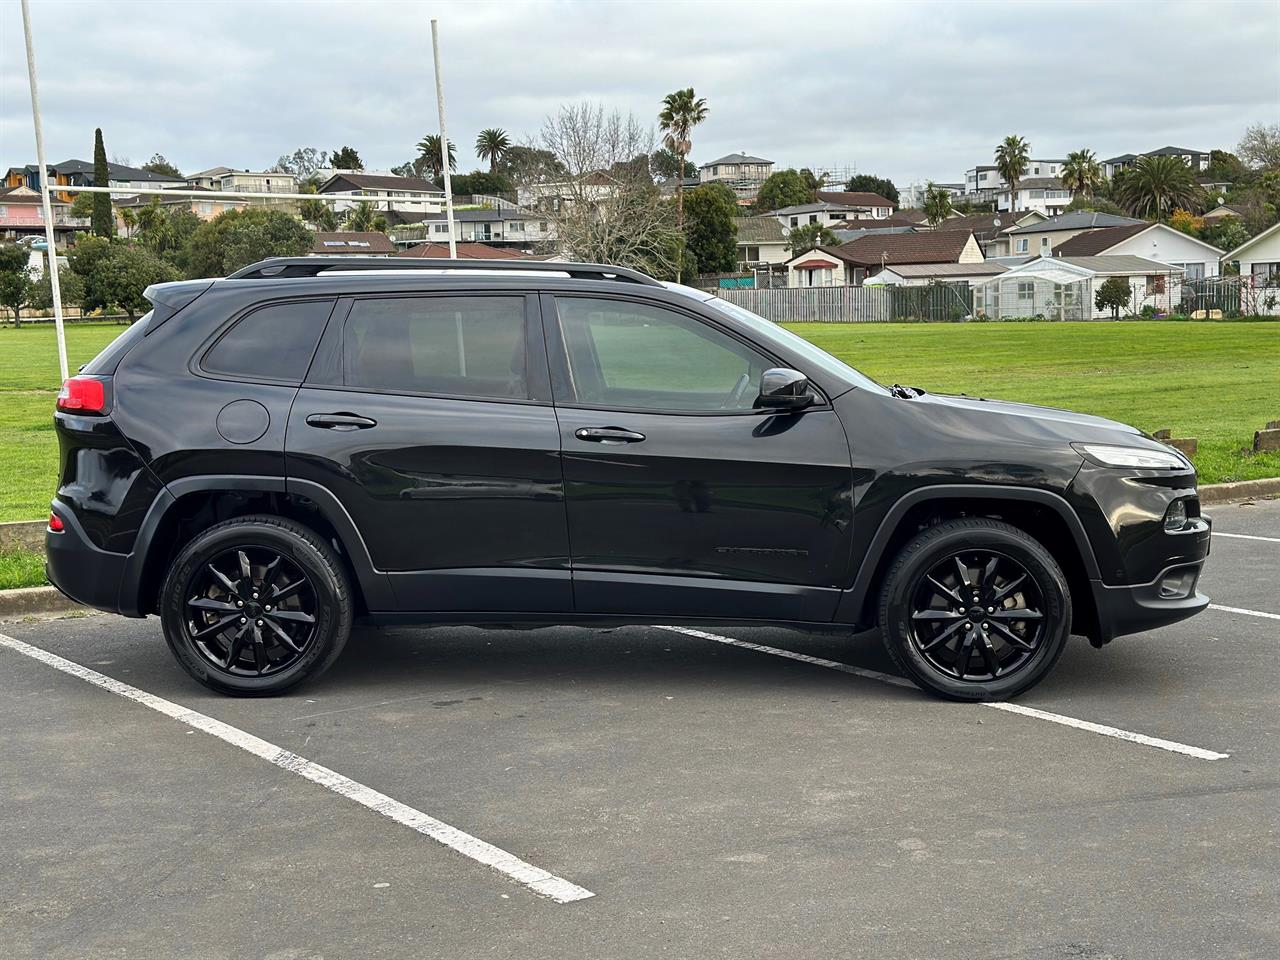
(55,523)
(84,395)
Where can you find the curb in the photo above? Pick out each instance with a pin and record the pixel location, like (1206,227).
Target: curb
(31,601)
(1243,490)
(23,535)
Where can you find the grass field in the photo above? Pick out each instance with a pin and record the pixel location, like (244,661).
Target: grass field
(1218,382)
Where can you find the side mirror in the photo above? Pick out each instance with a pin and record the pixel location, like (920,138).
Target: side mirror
(783,389)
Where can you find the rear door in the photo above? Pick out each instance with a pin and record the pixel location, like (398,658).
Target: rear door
(683,498)
(429,417)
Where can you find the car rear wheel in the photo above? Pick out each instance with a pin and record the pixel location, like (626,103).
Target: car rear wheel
(975,609)
(255,605)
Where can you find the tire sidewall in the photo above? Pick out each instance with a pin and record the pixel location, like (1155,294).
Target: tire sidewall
(1038,562)
(332,614)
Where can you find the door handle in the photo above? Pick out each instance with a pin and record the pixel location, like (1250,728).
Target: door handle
(608,435)
(340,421)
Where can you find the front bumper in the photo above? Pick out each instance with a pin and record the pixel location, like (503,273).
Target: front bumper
(81,571)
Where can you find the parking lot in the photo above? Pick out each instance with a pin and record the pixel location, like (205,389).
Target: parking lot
(688,794)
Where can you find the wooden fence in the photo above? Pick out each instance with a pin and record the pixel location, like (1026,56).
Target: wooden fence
(936,302)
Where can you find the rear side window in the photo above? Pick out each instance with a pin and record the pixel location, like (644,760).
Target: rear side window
(274,343)
(454,346)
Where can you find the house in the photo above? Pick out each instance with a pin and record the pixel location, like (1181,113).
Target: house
(1258,258)
(818,211)
(210,179)
(352,244)
(851,263)
(866,204)
(555,195)
(508,226)
(1064,288)
(922,274)
(206,208)
(1039,238)
(991,230)
(761,240)
(22,215)
(385,192)
(1221,212)
(1197,160)
(249,181)
(741,171)
(1046,195)
(1156,241)
(984,182)
(913,194)
(465,251)
(79,173)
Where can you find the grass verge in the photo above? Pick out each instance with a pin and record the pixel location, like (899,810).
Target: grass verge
(21,569)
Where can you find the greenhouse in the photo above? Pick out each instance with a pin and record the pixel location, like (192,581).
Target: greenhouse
(1042,288)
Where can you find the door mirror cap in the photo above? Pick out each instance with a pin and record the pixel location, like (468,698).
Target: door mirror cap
(784,389)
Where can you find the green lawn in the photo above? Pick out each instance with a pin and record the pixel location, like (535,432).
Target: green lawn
(21,569)
(1218,382)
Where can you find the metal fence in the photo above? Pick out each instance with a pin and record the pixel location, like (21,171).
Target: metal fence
(1234,296)
(935,302)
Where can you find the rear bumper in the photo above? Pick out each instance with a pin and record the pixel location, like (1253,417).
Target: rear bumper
(81,571)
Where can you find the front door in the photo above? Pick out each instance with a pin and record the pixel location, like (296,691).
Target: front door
(683,498)
(429,417)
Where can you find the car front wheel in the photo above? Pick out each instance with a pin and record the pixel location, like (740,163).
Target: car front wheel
(975,609)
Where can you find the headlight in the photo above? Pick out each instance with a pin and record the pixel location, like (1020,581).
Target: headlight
(1175,518)
(1110,456)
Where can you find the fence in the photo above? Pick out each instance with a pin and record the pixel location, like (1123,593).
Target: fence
(1234,296)
(936,302)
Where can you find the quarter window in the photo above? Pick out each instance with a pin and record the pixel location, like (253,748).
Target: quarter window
(645,357)
(273,343)
(455,346)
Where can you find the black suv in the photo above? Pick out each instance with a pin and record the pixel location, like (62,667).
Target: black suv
(260,460)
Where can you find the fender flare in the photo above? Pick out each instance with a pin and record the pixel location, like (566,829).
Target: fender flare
(373,582)
(853,600)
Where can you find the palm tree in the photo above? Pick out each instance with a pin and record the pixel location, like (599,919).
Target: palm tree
(937,204)
(361,219)
(681,112)
(1156,186)
(429,148)
(127,217)
(492,145)
(1081,172)
(1012,157)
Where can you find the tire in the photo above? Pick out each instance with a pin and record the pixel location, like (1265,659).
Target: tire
(255,605)
(925,627)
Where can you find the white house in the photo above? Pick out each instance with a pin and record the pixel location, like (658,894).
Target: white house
(868,205)
(1045,195)
(251,181)
(819,211)
(984,181)
(853,262)
(761,240)
(741,171)
(1042,236)
(383,192)
(1156,241)
(1197,160)
(1259,263)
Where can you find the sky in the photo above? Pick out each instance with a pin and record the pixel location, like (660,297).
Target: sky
(907,90)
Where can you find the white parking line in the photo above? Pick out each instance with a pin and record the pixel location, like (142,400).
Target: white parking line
(1244,536)
(1115,732)
(535,878)
(1247,613)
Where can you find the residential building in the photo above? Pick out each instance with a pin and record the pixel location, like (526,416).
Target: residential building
(385,192)
(761,240)
(923,274)
(1063,288)
(851,263)
(913,194)
(1221,212)
(204,207)
(1155,241)
(742,172)
(1040,238)
(210,179)
(818,211)
(1258,258)
(555,195)
(865,204)
(1197,160)
(465,251)
(22,215)
(991,230)
(509,227)
(249,181)
(368,243)
(1045,195)
(79,173)
(984,182)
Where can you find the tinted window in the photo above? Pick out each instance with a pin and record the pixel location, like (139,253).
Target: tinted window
(635,355)
(456,346)
(274,343)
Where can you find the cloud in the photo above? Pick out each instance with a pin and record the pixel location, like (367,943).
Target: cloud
(910,91)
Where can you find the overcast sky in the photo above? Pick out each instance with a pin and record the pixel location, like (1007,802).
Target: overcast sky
(905,90)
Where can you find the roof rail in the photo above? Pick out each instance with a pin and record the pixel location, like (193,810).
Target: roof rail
(281,267)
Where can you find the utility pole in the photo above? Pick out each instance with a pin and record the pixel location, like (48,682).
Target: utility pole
(444,138)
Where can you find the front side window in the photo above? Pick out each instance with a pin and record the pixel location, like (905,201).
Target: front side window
(273,343)
(644,357)
(452,346)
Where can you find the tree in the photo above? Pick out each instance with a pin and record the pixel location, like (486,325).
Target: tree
(786,188)
(316,212)
(15,279)
(1114,293)
(1225,167)
(1260,146)
(867,183)
(82,205)
(810,235)
(363,218)
(1012,157)
(681,112)
(158,164)
(937,204)
(129,218)
(1155,186)
(103,224)
(667,165)
(1186,222)
(482,183)
(237,238)
(812,180)
(116,274)
(492,145)
(1082,173)
(346,158)
(530,164)
(1226,234)
(429,154)
(69,285)
(710,233)
(302,163)
(620,217)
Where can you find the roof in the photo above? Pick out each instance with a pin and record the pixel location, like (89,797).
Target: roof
(1039,183)
(211,172)
(1078,220)
(854,198)
(483,214)
(985,226)
(1235,254)
(466,251)
(735,158)
(27,195)
(759,230)
(871,223)
(365,242)
(814,206)
(145,199)
(1122,264)
(1075,269)
(912,270)
(1158,152)
(115,171)
(813,265)
(933,246)
(373,181)
(1099,241)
